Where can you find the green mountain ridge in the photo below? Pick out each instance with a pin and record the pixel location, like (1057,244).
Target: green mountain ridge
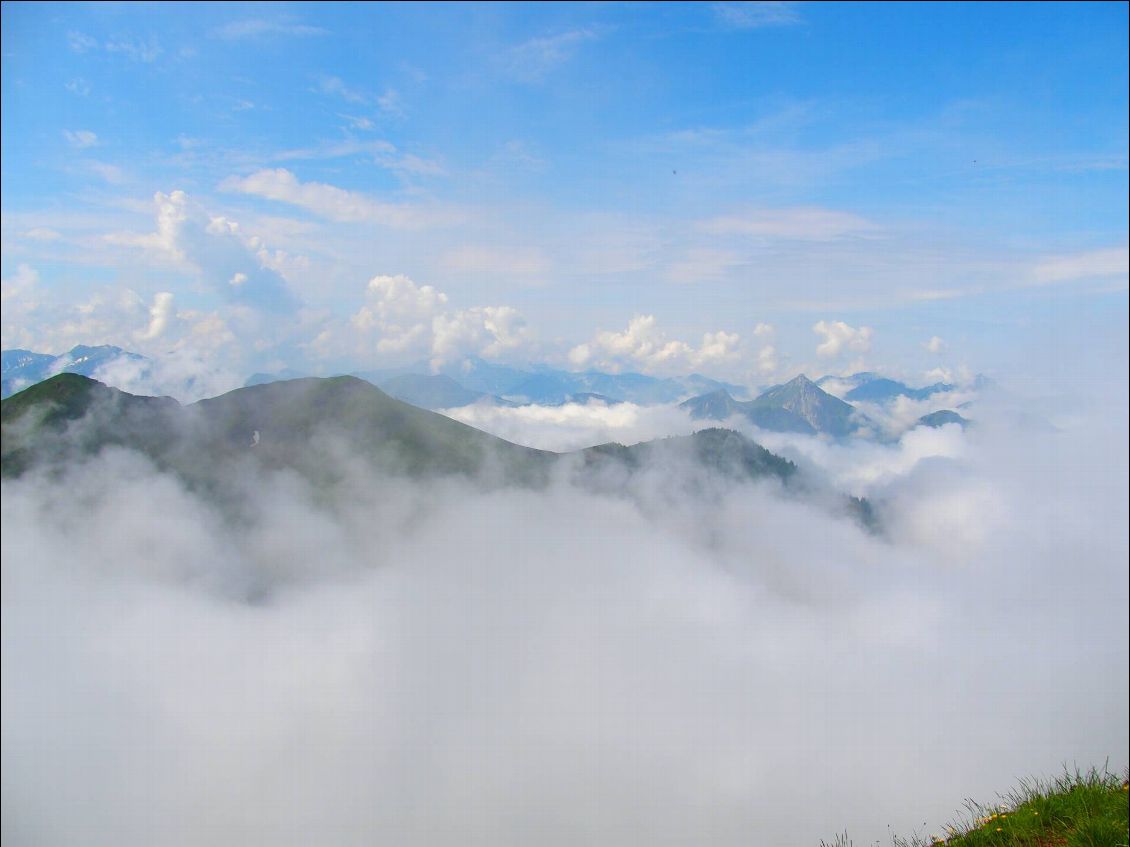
(324,428)
(297,423)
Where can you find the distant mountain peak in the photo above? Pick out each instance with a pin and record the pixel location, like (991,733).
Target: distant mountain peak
(798,405)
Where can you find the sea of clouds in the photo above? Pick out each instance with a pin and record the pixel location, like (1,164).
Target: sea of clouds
(431,663)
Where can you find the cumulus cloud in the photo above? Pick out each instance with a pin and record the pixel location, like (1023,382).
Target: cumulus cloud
(934,345)
(840,338)
(492,331)
(409,317)
(159,315)
(217,249)
(336,204)
(643,344)
(655,665)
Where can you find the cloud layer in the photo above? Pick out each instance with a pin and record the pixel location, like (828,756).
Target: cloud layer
(442,664)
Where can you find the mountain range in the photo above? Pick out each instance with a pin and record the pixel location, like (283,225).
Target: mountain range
(796,406)
(458,383)
(799,406)
(546,386)
(325,428)
(22,368)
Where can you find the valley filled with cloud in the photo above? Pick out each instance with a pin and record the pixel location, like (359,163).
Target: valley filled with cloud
(452,660)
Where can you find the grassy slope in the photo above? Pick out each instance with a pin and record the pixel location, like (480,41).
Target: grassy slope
(41,421)
(289,415)
(1080,809)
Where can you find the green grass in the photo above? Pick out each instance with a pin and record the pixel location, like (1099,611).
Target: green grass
(1080,809)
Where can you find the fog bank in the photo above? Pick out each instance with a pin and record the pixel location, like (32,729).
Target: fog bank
(417,663)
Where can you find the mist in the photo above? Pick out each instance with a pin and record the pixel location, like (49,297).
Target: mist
(575,426)
(441,662)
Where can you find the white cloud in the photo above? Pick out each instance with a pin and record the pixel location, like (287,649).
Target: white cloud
(399,309)
(339,149)
(575,426)
(112,174)
(80,42)
(80,139)
(42,233)
(533,59)
(492,331)
(641,667)
(791,224)
(754,15)
(359,122)
(259,27)
(767,363)
(159,315)
(19,284)
(384,154)
(20,296)
(217,249)
(415,165)
(529,263)
(336,87)
(144,50)
(409,317)
(642,344)
(932,294)
(390,103)
(1092,264)
(335,203)
(934,345)
(703,265)
(839,337)
(193,367)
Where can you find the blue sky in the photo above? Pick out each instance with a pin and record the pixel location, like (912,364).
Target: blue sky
(743,189)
